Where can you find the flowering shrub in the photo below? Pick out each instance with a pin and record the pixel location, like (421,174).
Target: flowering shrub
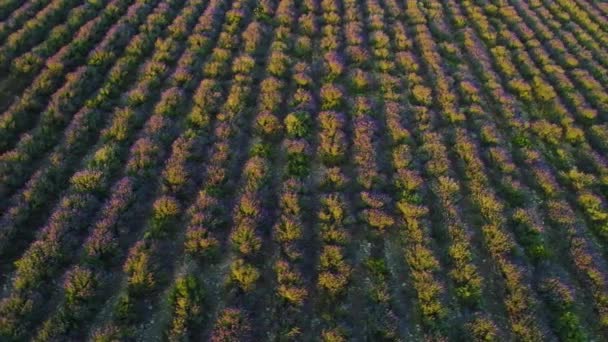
(244,274)
(139,268)
(231,325)
(331,97)
(308,158)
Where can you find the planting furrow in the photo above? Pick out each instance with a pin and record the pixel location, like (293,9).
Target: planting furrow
(552,123)
(206,217)
(9,8)
(580,70)
(594,25)
(289,258)
(316,170)
(336,297)
(472,272)
(600,7)
(572,164)
(248,254)
(577,31)
(572,51)
(582,257)
(589,200)
(387,239)
(469,284)
(84,51)
(58,240)
(522,211)
(12,20)
(593,97)
(470,276)
(18,164)
(102,259)
(187,292)
(29,206)
(496,241)
(35,29)
(84,87)
(78,15)
(371,202)
(165,253)
(596,10)
(22,68)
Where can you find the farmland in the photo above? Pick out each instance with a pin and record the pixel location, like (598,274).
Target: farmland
(315,170)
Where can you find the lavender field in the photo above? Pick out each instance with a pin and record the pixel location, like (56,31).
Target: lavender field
(314,170)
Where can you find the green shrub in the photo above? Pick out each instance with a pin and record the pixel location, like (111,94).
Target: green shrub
(422,95)
(298,124)
(164,212)
(244,274)
(88,181)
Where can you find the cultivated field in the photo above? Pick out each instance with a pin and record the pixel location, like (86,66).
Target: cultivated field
(315,170)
